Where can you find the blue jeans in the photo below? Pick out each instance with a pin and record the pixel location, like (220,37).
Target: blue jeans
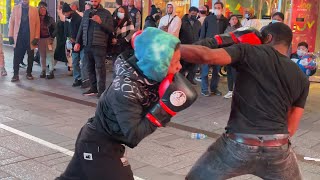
(231,77)
(204,78)
(227,158)
(79,73)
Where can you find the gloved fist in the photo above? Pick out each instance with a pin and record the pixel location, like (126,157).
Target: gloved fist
(35,41)
(11,40)
(244,35)
(176,94)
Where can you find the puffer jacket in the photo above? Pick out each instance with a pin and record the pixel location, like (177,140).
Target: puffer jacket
(122,108)
(189,33)
(100,33)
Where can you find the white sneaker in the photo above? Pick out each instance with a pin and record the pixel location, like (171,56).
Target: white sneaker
(198,79)
(228,95)
(3,72)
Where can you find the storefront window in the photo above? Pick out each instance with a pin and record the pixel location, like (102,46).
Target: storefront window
(262,8)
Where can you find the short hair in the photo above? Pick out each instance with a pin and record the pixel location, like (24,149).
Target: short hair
(303,44)
(76,3)
(218,2)
(280,14)
(281,33)
(192,8)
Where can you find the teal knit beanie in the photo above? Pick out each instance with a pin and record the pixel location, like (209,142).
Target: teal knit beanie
(154,49)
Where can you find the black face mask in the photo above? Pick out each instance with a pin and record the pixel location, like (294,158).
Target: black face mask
(193,17)
(203,12)
(157,17)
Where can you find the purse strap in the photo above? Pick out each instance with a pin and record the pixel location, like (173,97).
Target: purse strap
(171,20)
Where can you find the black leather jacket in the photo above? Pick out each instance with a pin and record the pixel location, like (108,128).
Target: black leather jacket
(100,33)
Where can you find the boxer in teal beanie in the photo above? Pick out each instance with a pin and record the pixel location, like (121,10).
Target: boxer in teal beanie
(146,92)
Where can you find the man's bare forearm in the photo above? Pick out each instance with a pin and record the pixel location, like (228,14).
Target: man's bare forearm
(203,55)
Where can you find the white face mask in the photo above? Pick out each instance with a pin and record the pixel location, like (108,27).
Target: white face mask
(217,12)
(301,52)
(247,16)
(120,15)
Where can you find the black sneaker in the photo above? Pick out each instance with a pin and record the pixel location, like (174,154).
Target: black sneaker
(85,84)
(77,83)
(30,77)
(91,92)
(43,74)
(50,76)
(216,92)
(15,78)
(206,94)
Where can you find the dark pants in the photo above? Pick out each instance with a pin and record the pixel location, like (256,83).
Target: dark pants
(231,77)
(227,158)
(96,158)
(18,55)
(214,79)
(189,69)
(96,66)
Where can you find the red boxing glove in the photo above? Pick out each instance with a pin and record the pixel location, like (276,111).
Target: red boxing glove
(244,35)
(134,37)
(176,94)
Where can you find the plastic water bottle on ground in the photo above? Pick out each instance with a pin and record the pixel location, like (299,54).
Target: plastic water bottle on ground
(198,136)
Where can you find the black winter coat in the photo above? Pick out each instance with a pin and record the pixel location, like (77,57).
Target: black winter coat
(213,26)
(100,33)
(189,33)
(150,22)
(122,107)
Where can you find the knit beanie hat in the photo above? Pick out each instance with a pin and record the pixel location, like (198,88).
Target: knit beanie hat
(66,8)
(154,10)
(154,49)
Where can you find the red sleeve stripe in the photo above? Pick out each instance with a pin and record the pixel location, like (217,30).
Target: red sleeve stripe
(234,38)
(153,120)
(218,39)
(168,110)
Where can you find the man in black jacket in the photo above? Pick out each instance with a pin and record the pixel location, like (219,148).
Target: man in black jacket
(213,24)
(80,74)
(94,32)
(142,97)
(189,33)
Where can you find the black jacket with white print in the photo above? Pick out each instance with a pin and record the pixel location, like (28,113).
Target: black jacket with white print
(122,108)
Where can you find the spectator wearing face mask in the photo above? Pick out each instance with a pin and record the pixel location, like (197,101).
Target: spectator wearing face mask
(301,51)
(250,20)
(276,17)
(189,34)
(213,24)
(153,19)
(123,32)
(202,14)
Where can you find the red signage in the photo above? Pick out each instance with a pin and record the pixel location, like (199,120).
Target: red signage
(304,22)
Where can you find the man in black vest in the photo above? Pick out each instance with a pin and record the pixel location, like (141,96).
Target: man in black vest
(135,15)
(94,33)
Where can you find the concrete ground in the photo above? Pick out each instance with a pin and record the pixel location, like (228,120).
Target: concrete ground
(40,119)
